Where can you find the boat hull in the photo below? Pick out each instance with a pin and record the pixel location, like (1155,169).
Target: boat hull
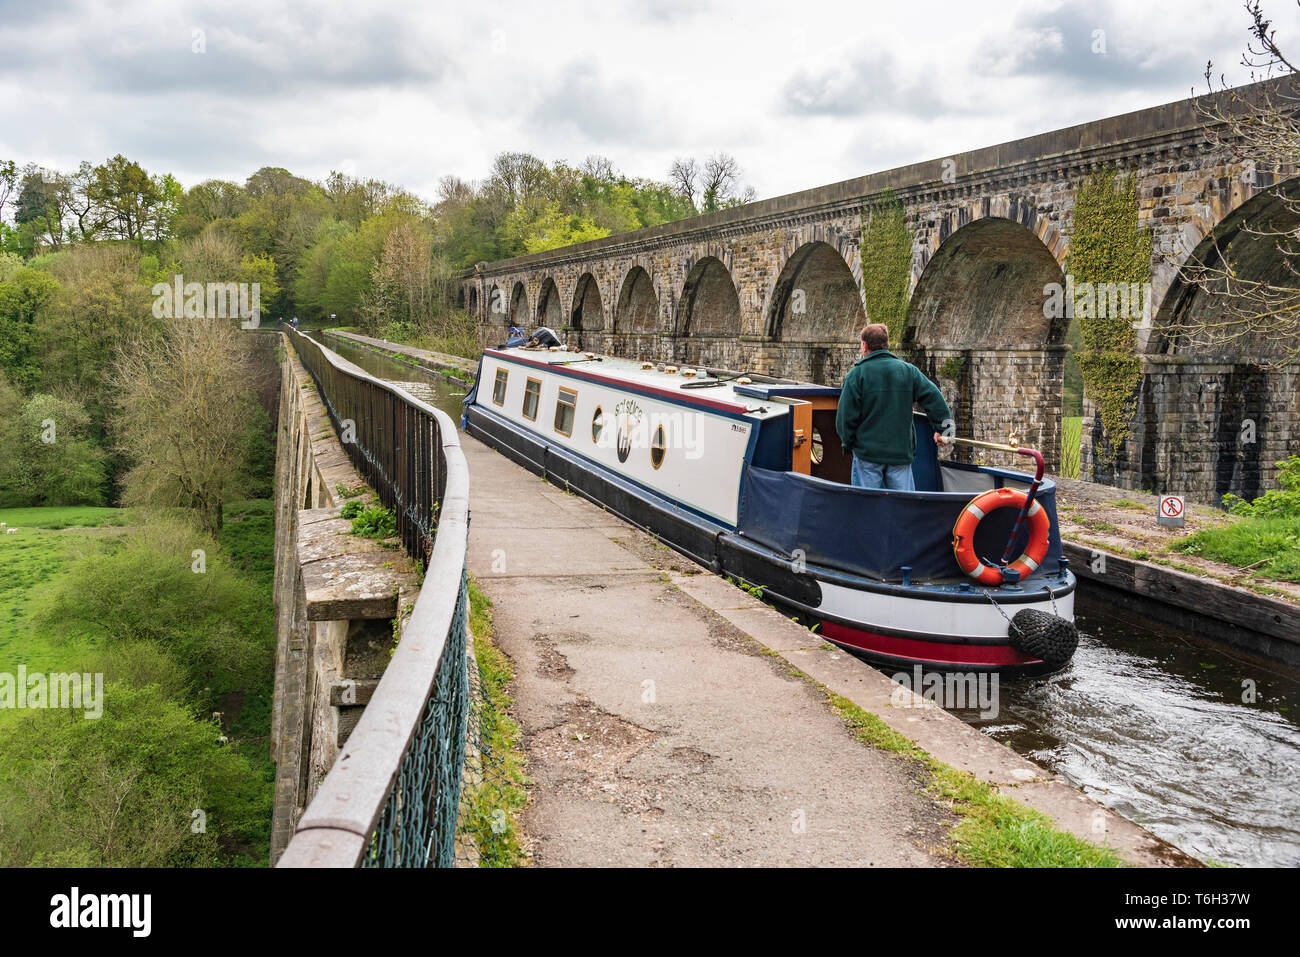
(941,628)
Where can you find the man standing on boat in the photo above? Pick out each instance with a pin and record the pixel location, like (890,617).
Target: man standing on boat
(874,419)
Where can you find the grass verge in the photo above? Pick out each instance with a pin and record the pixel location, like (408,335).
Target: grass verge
(1266,545)
(992,830)
(491,803)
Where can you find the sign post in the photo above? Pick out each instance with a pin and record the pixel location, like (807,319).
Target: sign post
(1170,511)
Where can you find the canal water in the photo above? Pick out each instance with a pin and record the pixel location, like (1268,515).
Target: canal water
(1196,742)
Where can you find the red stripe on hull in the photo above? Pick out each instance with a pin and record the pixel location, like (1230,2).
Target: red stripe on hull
(925,652)
(683,398)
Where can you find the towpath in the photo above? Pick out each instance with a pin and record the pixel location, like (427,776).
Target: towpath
(665,723)
(656,732)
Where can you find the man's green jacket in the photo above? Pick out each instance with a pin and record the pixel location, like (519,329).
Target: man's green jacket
(874,419)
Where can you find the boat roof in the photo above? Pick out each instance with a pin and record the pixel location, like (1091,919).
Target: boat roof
(751,395)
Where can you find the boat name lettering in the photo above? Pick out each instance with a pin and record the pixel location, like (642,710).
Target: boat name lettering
(629,409)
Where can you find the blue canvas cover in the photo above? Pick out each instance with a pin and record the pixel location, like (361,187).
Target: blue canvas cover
(873,533)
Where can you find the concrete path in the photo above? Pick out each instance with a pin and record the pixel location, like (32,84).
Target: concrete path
(656,733)
(662,726)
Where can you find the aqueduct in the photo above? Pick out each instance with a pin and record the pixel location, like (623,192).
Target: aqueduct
(777,286)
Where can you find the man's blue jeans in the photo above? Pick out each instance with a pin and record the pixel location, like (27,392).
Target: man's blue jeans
(871,475)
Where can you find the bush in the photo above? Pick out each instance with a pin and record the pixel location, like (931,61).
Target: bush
(122,790)
(373,522)
(1282,502)
(146,589)
(139,664)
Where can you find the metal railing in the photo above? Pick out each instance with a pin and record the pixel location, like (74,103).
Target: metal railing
(391,798)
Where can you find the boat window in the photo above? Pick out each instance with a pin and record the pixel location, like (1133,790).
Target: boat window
(532,395)
(818,453)
(499,387)
(657,448)
(597,424)
(564,411)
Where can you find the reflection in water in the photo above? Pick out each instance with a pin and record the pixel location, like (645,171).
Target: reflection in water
(1164,732)
(1145,721)
(425,386)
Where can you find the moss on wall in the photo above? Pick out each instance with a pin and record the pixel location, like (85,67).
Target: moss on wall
(1108,246)
(886,264)
(952,368)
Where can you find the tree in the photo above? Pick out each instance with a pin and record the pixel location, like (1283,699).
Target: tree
(206,203)
(600,168)
(683,175)
(402,284)
(24,293)
(8,184)
(356,200)
(186,416)
(160,217)
(716,183)
(131,201)
(259,271)
(81,207)
(100,302)
(551,228)
(1259,127)
(40,210)
(212,256)
(49,458)
(720,184)
(516,178)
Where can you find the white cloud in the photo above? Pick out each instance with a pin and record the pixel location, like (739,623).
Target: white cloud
(802,94)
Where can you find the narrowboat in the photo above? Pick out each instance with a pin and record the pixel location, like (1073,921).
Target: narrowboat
(744,474)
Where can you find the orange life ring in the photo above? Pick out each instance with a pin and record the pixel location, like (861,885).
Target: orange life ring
(963,535)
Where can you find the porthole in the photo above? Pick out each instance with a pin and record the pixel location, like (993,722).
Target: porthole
(818,453)
(658,447)
(597,424)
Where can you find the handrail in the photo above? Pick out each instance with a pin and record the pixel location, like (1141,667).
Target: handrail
(1008,574)
(392,795)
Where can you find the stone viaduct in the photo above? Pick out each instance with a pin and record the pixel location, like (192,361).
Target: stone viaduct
(777,287)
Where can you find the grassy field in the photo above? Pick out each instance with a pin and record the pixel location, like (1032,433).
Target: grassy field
(30,559)
(38,562)
(65,516)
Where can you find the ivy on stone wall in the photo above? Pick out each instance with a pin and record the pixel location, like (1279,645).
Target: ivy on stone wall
(1107,246)
(952,367)
(887,265)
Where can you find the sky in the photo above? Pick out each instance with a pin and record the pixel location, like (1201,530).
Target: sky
(801,93)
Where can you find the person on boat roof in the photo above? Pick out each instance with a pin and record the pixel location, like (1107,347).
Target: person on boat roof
(874,419)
